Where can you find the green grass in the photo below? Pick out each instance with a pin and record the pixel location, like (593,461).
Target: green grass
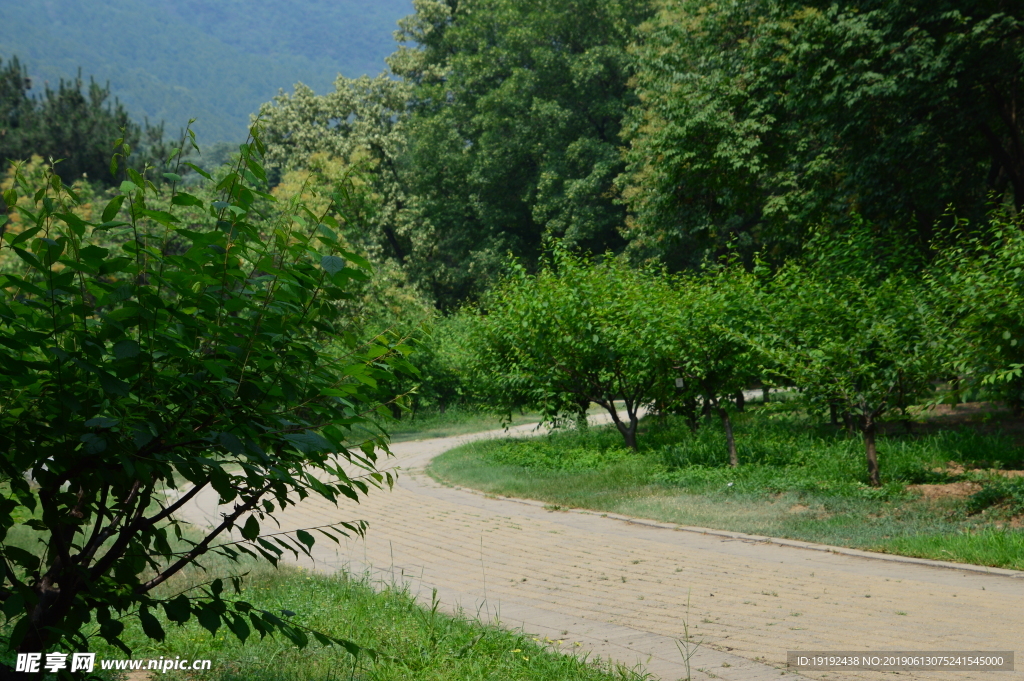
(411,642)
(797,479)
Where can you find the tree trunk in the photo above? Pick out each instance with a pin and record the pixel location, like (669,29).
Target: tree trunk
(847,418)
(833,413)
(870,452)
(734,460)
(741,400)
(765,394)
(629,435)
(628,432)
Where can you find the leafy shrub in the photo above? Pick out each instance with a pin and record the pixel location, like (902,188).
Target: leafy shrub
(1005,494)
(147,357)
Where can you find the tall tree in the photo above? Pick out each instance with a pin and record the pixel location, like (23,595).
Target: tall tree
(515,128)
(73,123)
(760,119)
(502,130)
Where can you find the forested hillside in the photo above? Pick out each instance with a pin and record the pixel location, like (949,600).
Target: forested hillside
(215,62)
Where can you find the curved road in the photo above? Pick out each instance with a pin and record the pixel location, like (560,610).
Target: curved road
(623,588)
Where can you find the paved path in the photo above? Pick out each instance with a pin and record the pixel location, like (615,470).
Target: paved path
(624,589)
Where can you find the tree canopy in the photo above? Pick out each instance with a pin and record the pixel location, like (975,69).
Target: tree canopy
(74,124)
(761,119)
(509,129)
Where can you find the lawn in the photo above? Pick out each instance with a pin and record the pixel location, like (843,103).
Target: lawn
(946,493)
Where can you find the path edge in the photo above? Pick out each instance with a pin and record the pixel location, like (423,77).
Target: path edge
(750,538)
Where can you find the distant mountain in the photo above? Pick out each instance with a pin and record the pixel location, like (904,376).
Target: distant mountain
(213,60)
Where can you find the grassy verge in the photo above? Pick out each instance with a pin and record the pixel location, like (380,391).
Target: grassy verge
(411,642)
(796,479)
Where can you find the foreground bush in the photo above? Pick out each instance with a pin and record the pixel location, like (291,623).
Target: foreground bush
(146,358)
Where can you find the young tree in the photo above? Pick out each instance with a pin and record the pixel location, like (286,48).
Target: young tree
(715,314)
(192,355)
(576,332)
(848,327)
(978,280)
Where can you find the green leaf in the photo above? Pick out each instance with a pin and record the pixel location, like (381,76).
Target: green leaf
(163,217)
(112,385)
(113,208)
(94,255)
(94,444)
(21,557)
(306,538)
(184,199)
(251,529)
(238,626)
(126,349)
(151,625)
(332,264)
(209,618)
(178,609)
(199,170)
(101,422)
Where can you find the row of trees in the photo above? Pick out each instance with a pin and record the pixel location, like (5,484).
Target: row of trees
(852,324)
(502,123)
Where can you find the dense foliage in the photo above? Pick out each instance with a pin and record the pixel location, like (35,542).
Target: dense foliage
(502,131)
(761,119)
(575,333)
(73,123)
(154,350)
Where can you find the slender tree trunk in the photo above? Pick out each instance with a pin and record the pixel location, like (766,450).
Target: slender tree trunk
(741,400)
(847,418)
(833,413)
(765,394)
(870,452)
(723,413)
(628,431)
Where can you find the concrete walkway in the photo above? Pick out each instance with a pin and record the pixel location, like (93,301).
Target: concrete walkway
(624,589)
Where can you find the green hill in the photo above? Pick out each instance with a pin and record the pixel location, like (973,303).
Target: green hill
(213,61)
